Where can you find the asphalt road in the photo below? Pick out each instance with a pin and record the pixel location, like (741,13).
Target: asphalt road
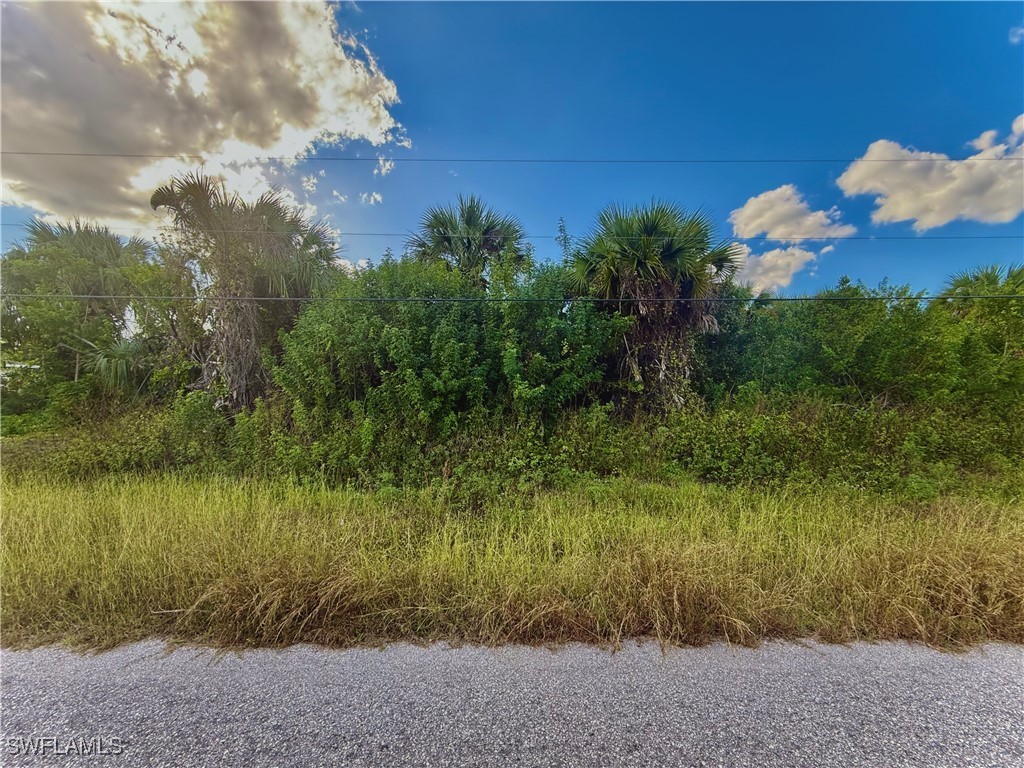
(782,704)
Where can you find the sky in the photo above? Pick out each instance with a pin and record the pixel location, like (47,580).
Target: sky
(888,138)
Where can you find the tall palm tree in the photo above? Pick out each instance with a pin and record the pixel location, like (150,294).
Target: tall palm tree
(662,265)
(245,252)
(467,237)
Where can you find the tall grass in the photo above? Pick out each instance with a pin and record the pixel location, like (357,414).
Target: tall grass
(238,564)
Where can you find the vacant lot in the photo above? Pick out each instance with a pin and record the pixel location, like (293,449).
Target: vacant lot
(235,563)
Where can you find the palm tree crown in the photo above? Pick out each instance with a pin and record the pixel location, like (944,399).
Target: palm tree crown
(263,249)
(1005,318)
(266,241)
(467,237)
(654,252)
(649,257)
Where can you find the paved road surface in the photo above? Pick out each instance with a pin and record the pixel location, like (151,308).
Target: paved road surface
(783,704)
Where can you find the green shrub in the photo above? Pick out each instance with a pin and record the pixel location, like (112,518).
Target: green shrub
(426,369)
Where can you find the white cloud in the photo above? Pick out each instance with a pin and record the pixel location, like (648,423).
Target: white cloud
(930,190)
(333,231)
(370,198)
(783,214)
(349,267)
(345,265)
(826,249)
(309,183)
(1016,34)
(987,140)
(776,268)
(229,82)
(338,196)
(384,166)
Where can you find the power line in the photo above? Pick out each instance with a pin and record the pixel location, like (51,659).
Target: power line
(758,238)
(502,299)
(524,160)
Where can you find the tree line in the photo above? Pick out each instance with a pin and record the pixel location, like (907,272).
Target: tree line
(246,306)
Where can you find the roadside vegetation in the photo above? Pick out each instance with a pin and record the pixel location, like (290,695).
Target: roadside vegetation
(239,439)
(270,563)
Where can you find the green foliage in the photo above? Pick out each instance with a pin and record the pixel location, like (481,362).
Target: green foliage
(634,252)
(779,438)
(891,352)
(491,378)
(242,252)
(660,263)
(32,404)
(393,379)
(76,259)
(190,433)
(469,238)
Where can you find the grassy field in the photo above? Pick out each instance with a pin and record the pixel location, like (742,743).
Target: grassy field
(241,564)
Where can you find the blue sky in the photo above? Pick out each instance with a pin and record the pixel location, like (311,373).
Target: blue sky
(722,81)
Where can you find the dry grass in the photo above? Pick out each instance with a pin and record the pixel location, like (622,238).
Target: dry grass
(238,564)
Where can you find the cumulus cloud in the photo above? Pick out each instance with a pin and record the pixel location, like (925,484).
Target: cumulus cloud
(776,268)
(987,140)
(309,183)
(384,166)
(783,214)
(227,82)
(347,266)
(370,198)
(827,249)
(338,196)
(929,189)
(1016,34)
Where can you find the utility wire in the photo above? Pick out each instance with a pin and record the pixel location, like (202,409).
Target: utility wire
(757,238)
(502,299)
(524,160)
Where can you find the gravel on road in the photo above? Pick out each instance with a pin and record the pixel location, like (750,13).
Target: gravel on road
(782,704)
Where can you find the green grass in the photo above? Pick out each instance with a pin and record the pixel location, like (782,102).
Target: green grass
(241,564)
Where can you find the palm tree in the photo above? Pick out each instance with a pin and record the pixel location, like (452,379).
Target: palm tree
(86,261)
(91,261)
(1004,317)
(120,366)
(245,252)
(991,280)
(468,237)
(660,265)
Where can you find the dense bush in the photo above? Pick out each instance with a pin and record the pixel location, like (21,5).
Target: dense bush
(771,439)
(496,375)
(189,432)
(387,381)
(895,352)
(757,440)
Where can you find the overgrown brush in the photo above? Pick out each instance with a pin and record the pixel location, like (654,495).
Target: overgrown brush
(764,441)
(253,563)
